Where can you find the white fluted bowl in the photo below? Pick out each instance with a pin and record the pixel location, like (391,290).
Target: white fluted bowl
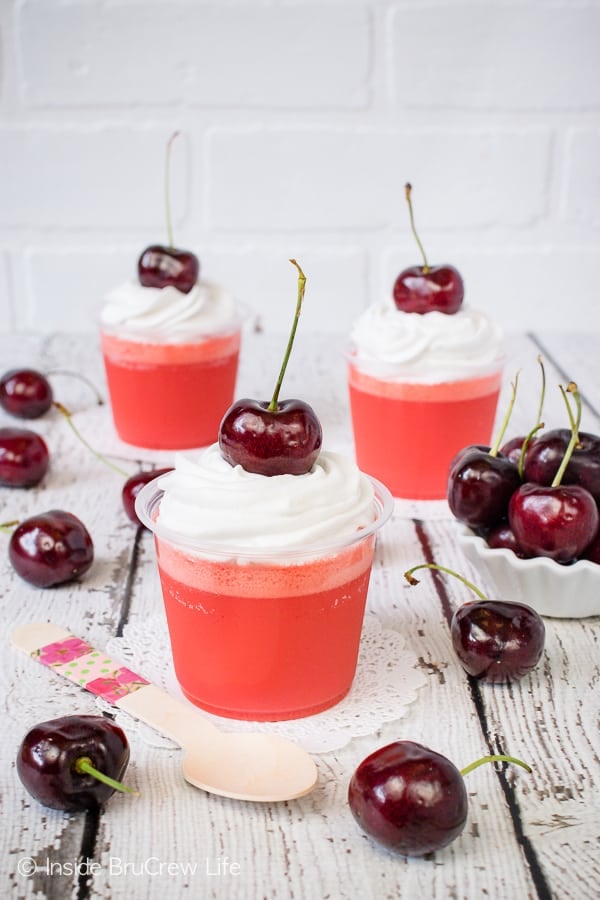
(565,592)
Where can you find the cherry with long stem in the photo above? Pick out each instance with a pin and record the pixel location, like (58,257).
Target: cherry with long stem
(481,480)
(426,289)
(411,799)
(161,265)
(495,640)
(273,437)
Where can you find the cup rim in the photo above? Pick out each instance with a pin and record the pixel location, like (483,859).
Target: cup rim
(148,501)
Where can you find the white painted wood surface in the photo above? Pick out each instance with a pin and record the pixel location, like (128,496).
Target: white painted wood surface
(527,836)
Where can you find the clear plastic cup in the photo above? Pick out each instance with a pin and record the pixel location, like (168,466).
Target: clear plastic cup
(264,635)
(170,396)
(406,434)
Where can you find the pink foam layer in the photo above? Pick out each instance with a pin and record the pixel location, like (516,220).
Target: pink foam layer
(127,352)
(262,579)
(463,389)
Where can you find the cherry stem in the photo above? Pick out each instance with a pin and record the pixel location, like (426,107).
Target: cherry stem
(496,757)
(496,448)
(168,190)
(575,422)
(543,394)
(409,577)
(65,412)
(8,526)
(84,766)
(85,380)
(272,407)
(407,192)
(525,445)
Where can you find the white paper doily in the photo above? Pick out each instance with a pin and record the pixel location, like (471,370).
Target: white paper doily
(386,683)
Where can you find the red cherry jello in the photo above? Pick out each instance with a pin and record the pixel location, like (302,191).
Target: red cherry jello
(264,580)
(421,388)
(171,362)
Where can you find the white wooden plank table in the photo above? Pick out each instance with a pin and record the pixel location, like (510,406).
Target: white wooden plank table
(527,836)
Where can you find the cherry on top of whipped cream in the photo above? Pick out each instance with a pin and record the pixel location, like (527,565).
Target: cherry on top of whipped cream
(423,289)
(162,266)
(273,437)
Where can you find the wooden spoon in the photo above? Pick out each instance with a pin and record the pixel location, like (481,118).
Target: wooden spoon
(245,766)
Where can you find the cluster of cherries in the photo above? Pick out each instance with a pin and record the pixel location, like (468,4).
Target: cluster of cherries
(536,495)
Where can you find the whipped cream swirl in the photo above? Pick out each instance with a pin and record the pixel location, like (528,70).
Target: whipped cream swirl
(395,345)
(167,315)
(208,501)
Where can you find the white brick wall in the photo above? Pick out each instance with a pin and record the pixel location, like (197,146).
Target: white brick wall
(300,123)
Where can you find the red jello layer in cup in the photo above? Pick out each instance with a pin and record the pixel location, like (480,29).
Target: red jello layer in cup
(170,396)
(265,640)
(406,434)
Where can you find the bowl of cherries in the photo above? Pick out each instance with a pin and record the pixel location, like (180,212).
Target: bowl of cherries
(530,511)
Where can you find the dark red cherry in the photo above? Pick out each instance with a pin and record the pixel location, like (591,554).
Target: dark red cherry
(560,520)
(408,798)
(411,799)
(25,393)
(61,761)
(497,641)
(557,522)
(51,548)
(512,449)
(500,537)
(284,441)
(480,486)
(160,266)
(424,289)
(133,486)
(481,481)
(24,457)
(545,453)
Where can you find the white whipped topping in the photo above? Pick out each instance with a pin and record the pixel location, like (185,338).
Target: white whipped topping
(401,346)
(211,502)
(166,314)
